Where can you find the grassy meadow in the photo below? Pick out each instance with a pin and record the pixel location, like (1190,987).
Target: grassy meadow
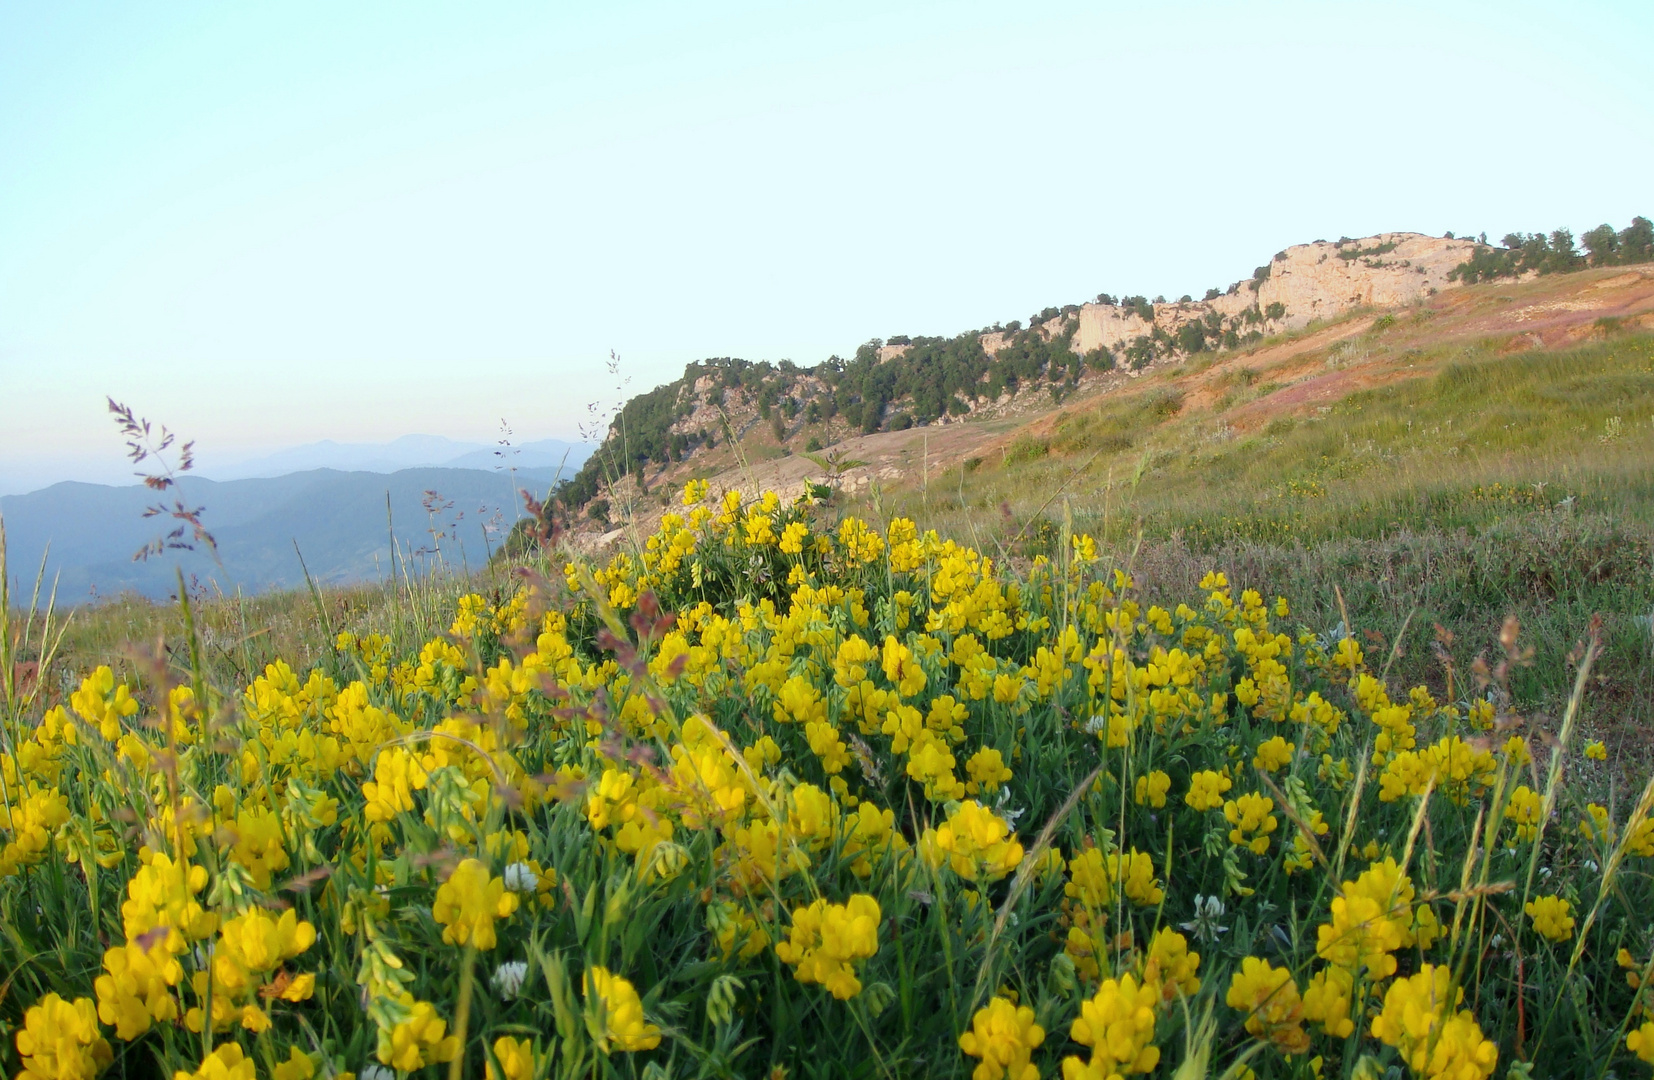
(1469,485)
(783,793)
(1203,730)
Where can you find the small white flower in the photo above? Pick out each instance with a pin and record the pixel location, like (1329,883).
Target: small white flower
(1010,815)
(377,1072)
(1204,926)
(1591,865)
(521,878)
(1096,724)
(1496,940)
(508,978)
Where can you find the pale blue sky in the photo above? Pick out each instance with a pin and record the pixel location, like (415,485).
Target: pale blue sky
(269,224)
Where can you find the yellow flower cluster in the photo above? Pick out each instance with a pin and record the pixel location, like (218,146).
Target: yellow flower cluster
(60,1040)
(620,1013)
(1640,1041)
(825,941)
(468,903)
(1523,813)
(1551,917)
(974,843)
(1418,1018)
(419,1039)
(1117,1022)
(1206,790)
(1251,821)
(226,1062)
(1269,998)
(1093,878)
(1003,1035)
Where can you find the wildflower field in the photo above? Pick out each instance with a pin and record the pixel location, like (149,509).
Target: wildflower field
(775,794)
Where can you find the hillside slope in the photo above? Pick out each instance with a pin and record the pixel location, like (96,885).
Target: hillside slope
(725,410)
(1218,397)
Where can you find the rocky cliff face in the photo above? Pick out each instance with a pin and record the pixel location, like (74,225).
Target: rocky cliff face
(1322,280)
(1311,281)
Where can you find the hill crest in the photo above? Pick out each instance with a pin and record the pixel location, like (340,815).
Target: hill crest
(772,410)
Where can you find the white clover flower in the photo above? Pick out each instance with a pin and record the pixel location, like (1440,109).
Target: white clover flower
(377,1072)
(1010,815)
(1204,926)
(1096,724)
(508,978)
(1591,865)
(521,878)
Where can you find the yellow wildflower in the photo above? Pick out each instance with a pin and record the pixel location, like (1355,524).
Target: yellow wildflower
(259,942)
(1170,965)
(420,1040)
(1092,876)
(623,1024)
(1640,841)
(515,1057)
(1596,825)
(227,1062)
(1117,1022)
(298,1066)
(1418,1019)
(1525,807)
(1327,1001)
(901,668)
(60,1040)
(825,940)
(1551,917)
(136,988)
(1269,998)
(161,895)
(1003,1035)
(1252,821)
(1206,790)
(468,903)
(1273,754)
(793,538)
(1361,933)
(975,842)
(987,771)
(397,774)
(1641,1042)
(736,931)
(1151,789)
(32,822)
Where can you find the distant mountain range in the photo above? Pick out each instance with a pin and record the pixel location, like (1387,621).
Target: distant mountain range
(337,519)
(408,452)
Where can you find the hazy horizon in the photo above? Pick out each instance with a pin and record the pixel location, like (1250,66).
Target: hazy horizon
(268,227)
(414,450)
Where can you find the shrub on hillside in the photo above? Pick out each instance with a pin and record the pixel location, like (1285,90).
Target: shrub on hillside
(1520,253)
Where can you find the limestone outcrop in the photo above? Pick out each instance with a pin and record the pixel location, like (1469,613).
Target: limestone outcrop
(1309,281)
